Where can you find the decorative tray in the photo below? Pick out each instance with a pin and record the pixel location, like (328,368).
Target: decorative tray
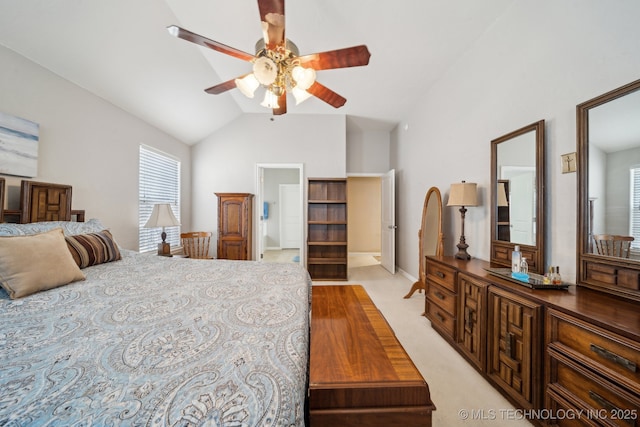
(532,280)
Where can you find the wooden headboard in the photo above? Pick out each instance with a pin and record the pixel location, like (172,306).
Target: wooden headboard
(40,201)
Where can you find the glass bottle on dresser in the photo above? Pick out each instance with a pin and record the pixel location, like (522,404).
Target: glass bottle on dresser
(516,259)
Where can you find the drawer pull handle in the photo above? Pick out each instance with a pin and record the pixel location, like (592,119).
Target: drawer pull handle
(609,406)
(626,363)
(469,318)
(440,317)
(440,274)
(509,347)
(439,295)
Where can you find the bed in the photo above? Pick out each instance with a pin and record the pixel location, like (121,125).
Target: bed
(153,341)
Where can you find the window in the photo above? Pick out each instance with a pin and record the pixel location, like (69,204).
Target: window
(634,209)
(159,183)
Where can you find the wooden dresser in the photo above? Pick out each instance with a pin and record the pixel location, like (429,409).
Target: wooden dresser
(359,373)
(568,357)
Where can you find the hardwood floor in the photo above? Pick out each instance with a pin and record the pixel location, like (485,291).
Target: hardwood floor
(461,395)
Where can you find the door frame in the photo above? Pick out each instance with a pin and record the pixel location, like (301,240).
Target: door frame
(380,175)
(260,168)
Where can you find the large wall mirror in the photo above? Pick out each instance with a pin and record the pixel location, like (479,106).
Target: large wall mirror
(517,196)
(609,192)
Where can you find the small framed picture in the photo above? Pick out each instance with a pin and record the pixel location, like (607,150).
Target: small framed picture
(569,163)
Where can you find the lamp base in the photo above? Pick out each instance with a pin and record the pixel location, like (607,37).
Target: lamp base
(462,250)
(164,249)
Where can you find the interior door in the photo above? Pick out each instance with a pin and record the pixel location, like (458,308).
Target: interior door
(388,232)
(522,210)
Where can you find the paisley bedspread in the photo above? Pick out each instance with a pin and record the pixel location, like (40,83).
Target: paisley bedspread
(153,341)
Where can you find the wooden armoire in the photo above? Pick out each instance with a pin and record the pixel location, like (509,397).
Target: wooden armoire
(235,226)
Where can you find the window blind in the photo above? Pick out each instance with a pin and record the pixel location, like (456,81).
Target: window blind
(634,209)
(159,176)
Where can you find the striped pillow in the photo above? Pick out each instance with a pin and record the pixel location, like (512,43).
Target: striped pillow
(93,248)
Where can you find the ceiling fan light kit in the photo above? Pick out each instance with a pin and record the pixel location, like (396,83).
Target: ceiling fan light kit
(277,65)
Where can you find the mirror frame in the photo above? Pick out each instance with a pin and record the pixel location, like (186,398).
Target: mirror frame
(605,274)
(500,249)
(421,283)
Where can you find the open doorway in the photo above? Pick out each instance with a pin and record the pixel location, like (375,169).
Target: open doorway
(371,217)
(279,212)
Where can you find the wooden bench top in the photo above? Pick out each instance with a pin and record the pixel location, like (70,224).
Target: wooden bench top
(357,366)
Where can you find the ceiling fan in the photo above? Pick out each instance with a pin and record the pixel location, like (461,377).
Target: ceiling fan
(277,65)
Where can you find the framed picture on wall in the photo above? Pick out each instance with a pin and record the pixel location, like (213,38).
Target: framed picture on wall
(18,146)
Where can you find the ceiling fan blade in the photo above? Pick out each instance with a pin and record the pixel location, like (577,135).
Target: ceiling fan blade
(340,58)
(327,95)
(222,87)
(272,17)
(282,103)
(211,44)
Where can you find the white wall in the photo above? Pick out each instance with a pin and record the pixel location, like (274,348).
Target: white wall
(87,143)
(368,151)
(226,161)
(538,61)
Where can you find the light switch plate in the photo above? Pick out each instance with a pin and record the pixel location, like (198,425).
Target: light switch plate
(569,163)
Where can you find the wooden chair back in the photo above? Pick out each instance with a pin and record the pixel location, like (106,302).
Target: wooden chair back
(612,245)
(196,244)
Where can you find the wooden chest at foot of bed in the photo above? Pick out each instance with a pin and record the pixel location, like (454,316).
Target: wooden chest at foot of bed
(359,373)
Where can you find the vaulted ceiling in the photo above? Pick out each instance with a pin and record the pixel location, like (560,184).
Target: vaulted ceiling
(120,51)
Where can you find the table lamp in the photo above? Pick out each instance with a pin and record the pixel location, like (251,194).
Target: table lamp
(463,194)
(162,216)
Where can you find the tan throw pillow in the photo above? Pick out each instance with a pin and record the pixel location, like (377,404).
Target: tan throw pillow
(29,264)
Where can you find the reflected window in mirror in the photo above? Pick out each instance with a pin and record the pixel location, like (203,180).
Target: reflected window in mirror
(517,200)
(609,192)
(614,172)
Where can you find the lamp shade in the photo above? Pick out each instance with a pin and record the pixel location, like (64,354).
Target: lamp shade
(463,194)
(270,100)
(502,195)
(265,70)
(300,95)
(248,85)
(304,77)
(162,216)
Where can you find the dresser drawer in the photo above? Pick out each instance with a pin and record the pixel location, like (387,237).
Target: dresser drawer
(610,404)
(440,319)
(441,274)
(607,353)
(442,297)
(567,414)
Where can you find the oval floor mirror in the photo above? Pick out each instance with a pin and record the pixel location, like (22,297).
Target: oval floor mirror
(429,235)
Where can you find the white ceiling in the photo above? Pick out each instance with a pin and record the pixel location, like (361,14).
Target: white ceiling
(120,50)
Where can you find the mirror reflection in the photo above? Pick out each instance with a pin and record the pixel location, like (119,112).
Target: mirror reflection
(614,178)
(517,199)
(516,189)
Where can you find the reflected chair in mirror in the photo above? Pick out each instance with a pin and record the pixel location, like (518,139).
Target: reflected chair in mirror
(196,244)
(612,245)
(430,239)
